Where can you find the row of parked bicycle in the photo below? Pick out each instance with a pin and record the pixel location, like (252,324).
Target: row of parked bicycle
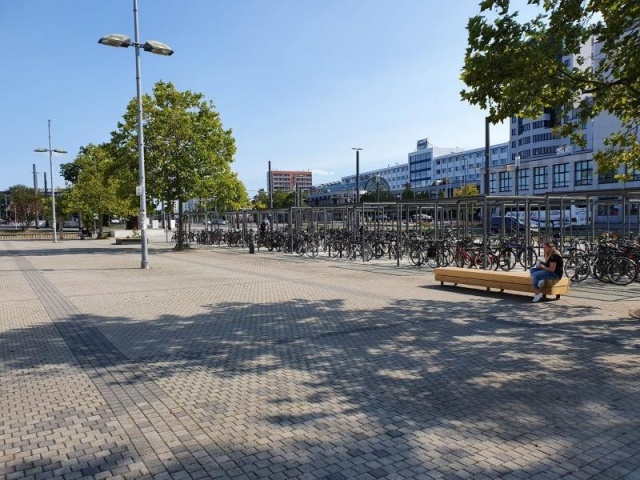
(609,259)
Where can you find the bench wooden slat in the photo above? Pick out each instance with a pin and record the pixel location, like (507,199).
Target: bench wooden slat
(516,281)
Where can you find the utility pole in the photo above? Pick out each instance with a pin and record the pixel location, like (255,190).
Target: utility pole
(487,148)
(357,149)
(270,182)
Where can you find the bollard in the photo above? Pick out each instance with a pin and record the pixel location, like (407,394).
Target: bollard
(252,247)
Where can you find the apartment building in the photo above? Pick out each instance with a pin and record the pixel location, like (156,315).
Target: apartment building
(534,161)
(396,176)
(290,181)
(541,162)
(457,169)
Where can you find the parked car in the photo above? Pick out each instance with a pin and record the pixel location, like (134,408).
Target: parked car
(511,225)
(218,221)
(423,217)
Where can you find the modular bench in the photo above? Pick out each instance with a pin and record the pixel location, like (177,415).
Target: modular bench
(499,280)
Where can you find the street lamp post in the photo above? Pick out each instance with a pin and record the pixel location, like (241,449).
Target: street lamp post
(152,46)
(357,149)
(517,160)
(53,190)
(487,147)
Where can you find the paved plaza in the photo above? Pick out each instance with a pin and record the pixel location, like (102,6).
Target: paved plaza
(216,363)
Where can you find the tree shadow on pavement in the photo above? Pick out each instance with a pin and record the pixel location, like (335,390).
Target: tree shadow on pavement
(482,387)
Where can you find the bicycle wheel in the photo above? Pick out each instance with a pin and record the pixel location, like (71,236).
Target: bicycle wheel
(506,259)
(480,262)
(599,270)
(576,268)
(461,260)
(379,250)
(312,249)
(367,253)
(622,271)
(528,258)
(416,256)
(444,257)
(432,261)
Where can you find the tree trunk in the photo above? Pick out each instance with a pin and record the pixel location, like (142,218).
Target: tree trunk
(181,243)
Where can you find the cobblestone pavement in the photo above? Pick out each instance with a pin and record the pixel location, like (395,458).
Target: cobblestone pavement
(220,364)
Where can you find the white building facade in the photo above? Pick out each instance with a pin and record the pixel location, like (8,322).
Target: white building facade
(534,161)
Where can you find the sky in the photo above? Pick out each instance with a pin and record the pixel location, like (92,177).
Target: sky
(299,82)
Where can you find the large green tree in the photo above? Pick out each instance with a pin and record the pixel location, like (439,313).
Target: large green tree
(229,193)
(95,188)
(260,201)
(284,199)
(513,66)
(188,153)
(26,204)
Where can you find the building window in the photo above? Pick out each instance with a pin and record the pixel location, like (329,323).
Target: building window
(584,173)
(561,175)
(523,179)
(505,181)
(539,178)
(606,178)
(492,183)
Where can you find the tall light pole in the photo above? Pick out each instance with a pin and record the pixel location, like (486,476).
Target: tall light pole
(53,190)
(118,40)
(357,149)
(517,160)
(487,148)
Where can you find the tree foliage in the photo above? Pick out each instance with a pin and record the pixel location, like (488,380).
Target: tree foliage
(26,204)
(281,199)
(375,196)
(95,186)
(514,67)
(188,153)
(407,193)
(468,190)
(260,200)
(284,199)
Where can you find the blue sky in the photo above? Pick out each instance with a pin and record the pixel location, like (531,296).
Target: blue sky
(300,82)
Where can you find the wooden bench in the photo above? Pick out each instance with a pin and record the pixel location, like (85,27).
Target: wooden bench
(500,280)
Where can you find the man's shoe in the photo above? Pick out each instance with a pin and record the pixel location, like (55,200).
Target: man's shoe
(537,297)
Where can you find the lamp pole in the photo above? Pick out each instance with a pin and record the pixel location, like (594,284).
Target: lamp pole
(517,160)
(53,190)
(357,149)
(141,170)
(487,148)
(152,46)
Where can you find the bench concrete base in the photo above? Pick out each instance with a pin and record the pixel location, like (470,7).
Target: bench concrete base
(499,280)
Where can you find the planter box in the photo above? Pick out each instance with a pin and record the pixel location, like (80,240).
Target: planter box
(127,241)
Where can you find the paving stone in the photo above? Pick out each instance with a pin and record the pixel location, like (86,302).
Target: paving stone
(214,364)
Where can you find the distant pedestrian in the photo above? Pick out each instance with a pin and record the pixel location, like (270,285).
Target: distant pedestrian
(264,226)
